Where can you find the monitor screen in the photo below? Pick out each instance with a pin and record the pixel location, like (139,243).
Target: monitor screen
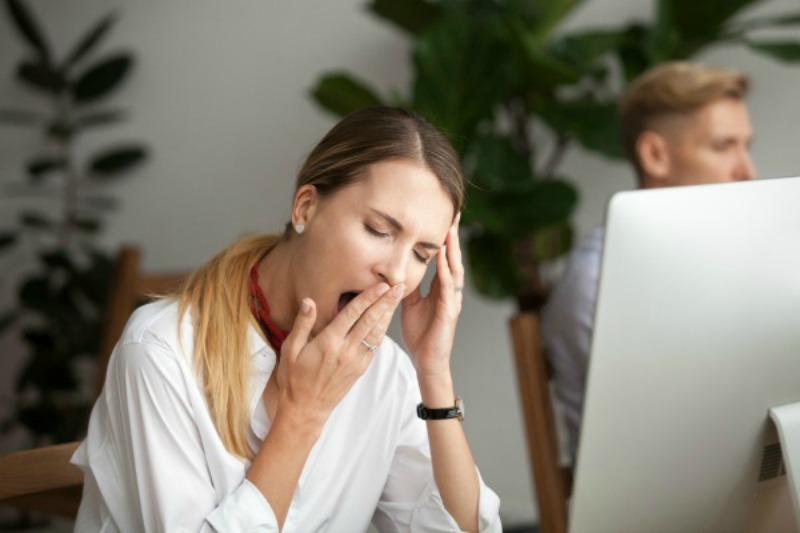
(697,336)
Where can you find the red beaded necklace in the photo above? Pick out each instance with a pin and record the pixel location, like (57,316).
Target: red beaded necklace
(260,309)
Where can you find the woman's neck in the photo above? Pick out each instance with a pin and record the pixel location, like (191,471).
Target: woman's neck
(275,280)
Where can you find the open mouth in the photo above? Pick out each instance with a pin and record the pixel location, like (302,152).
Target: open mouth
(345,298)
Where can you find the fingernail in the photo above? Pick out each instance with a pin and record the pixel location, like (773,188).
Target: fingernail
(305,306)
(399,291)
(382,288)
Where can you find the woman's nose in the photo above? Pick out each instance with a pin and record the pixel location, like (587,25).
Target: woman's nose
(392,269)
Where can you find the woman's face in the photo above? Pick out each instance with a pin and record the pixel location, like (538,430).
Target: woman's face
(387,227)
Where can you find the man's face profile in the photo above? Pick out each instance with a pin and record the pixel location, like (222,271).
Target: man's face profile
(710,145)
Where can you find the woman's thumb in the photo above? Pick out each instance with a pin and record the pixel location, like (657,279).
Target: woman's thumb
(303,323)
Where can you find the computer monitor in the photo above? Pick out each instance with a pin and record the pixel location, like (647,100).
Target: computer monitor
(697,336)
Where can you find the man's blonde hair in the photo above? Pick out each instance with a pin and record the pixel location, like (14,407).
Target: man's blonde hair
(673,88)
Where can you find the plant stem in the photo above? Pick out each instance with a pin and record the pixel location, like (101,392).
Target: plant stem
(70,177)
(519,119)
(562,143)
(533,292)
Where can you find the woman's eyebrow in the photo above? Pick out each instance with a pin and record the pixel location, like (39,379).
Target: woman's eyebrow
(399,227)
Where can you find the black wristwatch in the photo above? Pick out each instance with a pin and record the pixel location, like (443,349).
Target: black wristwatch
(457,411)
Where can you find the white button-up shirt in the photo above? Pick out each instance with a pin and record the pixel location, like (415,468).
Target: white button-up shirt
(153,460)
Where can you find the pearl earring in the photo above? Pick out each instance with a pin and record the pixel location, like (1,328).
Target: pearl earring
(299,228)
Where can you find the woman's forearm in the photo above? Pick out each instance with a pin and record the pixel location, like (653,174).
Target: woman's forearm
(453,465)
(279,462)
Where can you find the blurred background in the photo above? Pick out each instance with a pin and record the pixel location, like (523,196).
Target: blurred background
(200,113)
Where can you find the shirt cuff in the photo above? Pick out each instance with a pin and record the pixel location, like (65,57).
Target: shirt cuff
(431,514)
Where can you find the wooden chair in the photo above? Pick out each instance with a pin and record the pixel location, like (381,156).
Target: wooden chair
(553,483)
(43,479)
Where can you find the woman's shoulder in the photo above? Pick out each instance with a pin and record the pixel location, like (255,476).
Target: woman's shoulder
(155,319)
(156,329)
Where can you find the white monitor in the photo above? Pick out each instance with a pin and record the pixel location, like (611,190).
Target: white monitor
(697,336)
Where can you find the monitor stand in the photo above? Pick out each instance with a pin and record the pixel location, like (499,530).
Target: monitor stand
(787,421)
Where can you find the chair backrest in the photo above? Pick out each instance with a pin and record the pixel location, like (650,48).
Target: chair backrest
(130,288)
(551,481)
(42,480)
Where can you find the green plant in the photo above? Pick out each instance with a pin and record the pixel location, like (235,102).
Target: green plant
(514,94)
(61,300)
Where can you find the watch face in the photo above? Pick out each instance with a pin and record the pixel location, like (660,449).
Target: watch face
(460,406)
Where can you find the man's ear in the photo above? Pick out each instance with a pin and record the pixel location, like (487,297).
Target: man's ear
(653,154)
(306,200)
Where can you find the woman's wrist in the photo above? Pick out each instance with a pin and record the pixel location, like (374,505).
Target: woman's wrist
(437,390)
(301,425)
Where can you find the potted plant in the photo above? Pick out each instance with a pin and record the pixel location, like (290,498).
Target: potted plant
(61,298)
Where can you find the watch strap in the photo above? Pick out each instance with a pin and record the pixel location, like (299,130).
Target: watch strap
(427,413)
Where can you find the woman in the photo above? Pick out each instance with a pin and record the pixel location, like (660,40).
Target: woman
(264,396)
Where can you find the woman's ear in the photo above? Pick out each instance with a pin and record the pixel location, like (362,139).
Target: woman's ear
(653,154)
(304,207)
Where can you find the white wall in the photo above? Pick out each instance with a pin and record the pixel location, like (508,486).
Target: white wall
(221,97)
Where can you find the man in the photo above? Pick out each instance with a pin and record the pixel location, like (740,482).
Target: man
(682,124)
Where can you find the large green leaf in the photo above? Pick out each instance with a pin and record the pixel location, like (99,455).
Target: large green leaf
(773,22)
(95,280)
(7,320)
(43,165)
(595,125)
(35,294)
(636,51)
(551,242)
(518,211)
(89,224)
(494,164)
(115,161)
(461,74)
(542,70)
(41,76)
(33,220)
(28,27)
(787,51)
(341,94)
(491,266)
(542,204)
(684,27)
(412,16)
(41,419)
(57,260)
(100,79)
(91,39)
(584,49)
(541,17)
(7,239)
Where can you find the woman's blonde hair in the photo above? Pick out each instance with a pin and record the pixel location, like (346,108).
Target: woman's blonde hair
(217,295)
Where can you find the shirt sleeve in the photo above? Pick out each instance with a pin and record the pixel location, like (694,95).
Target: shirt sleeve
(410,499)
(567,326)
(146,455)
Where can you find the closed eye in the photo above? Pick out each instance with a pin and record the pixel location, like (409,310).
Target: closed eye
(375,232)
(422,258)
